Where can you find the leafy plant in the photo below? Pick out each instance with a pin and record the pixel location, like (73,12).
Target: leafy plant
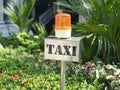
(19,12)
(41,33)
(101,27)
(21,70)
(33,44)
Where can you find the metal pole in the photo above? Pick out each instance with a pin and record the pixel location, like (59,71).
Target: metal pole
(62,87)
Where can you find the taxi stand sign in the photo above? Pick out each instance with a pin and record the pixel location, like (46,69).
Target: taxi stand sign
(64,50)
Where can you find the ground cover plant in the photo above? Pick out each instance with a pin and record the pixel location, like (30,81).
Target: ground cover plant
(22,70)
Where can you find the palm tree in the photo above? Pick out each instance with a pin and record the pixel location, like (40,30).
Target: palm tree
(102,25)
(19,12)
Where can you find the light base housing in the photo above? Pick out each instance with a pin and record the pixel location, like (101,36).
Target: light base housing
(63,33)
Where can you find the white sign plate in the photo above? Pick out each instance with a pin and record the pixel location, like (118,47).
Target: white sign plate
(62,49)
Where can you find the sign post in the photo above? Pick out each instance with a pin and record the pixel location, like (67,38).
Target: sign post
(62,83)
(64,50)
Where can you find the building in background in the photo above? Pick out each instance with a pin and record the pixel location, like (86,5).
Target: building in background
(45,11)
(6,26)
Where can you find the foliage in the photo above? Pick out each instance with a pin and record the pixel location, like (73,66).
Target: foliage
(97,74)
(21,70)
(10,40)
(22,63)
(101,29)
(41,32)
(33,44)
(19,12)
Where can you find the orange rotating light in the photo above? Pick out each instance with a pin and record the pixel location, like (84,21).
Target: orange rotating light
(63,25)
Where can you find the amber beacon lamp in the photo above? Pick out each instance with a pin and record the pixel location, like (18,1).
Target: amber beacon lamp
(63,25)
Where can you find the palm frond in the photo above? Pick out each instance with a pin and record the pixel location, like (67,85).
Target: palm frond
(105,37)
(102,11)
(19,12)
(102,22)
